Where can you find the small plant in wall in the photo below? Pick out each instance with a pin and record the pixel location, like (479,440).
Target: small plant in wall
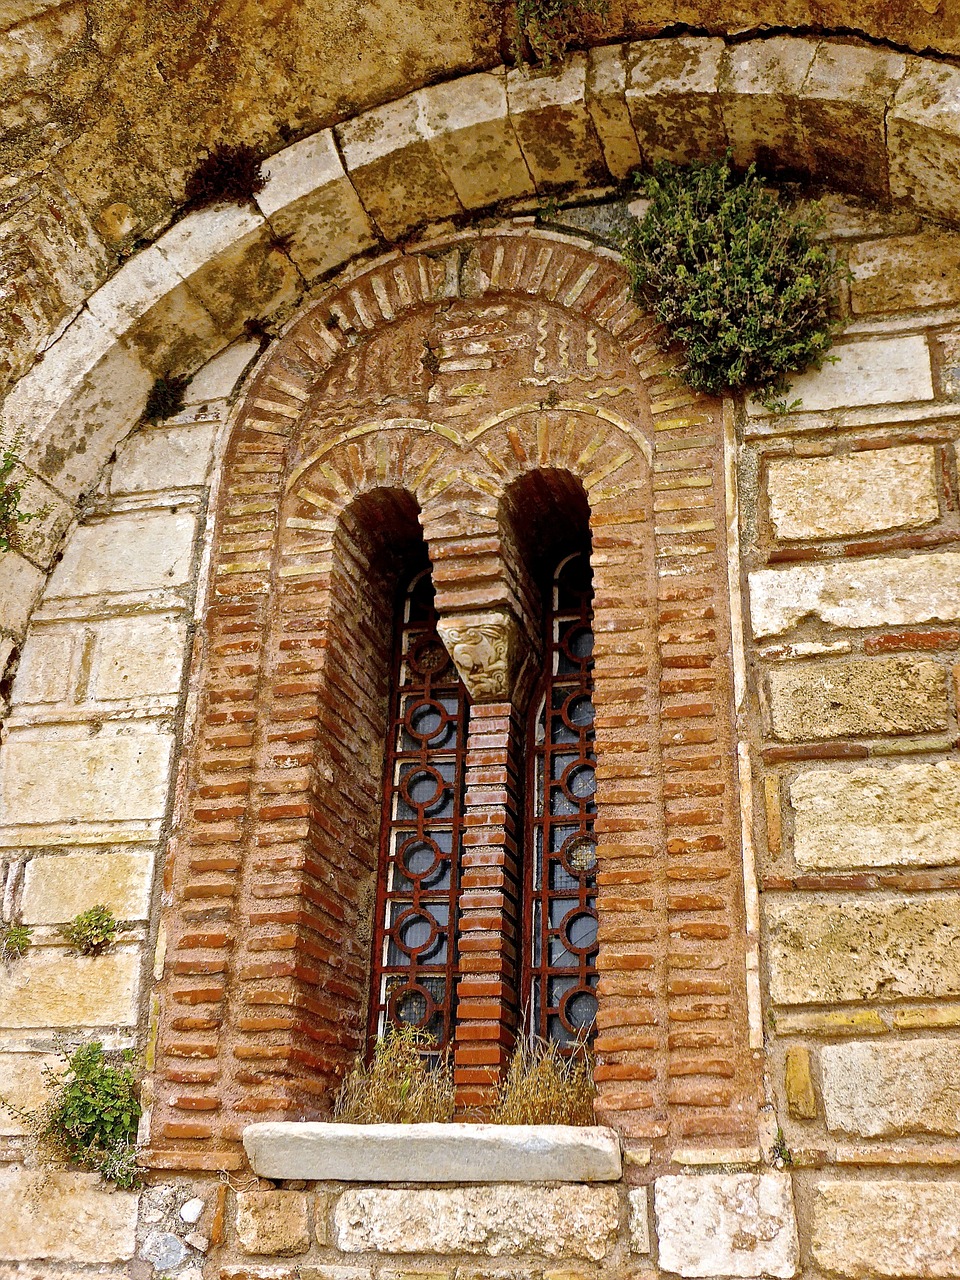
(226,175)
(91,932)
(736,277)
(401,1085)
(12,515)
(164,399)
(15,939)
(91,1116)
(550,27)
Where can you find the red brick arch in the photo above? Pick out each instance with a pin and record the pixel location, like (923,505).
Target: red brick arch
(430,382)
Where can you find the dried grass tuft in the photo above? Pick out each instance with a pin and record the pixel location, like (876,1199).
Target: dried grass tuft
(543,1086)
(402,1085)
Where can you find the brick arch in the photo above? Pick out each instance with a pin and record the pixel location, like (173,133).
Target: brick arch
(445,376)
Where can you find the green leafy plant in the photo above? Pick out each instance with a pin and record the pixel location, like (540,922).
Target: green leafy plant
(226,175)
(164,399)
(737,279)
(91,932)
(405,1083)
(780,1153)
(550,27)
(90,1118)
(15,939)
(12,515)
(545,1086)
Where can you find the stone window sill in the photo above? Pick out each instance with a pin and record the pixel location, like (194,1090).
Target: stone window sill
(464,1153)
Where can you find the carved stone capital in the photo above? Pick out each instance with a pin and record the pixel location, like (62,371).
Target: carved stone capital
(485,648)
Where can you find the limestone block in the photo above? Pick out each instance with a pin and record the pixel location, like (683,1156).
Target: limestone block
(472,135)
(310,200)
(47,988)
(219,377)
(108,778)
(843,107)
(801,1098)
(46,669)
(880,371)
(883,1091)
(39,538)
(639,1224)
(607,104)
(58,887)
(64,1217)
(738,1224)
(22,1082)
(136,657)
(156,458)
(903,272)
(907,815)
(394,168)
(856,697)
(853,493)
(325,1271)
(887,1228)
(673,94)
(553,124)
(558,1222)
(133,551)
(874,592)
(273,1222)
(923,129)
(20,585)
(760,100)
(852,949)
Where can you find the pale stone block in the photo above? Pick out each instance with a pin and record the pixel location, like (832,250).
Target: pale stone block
(108,778)
(857,697)
(433,1152)
(64,1217)
(876,592)
(39,538)
(760,99)
(138,657)
(903,272)
(156,458)
(553,124)
(129,552)
(22,1083)
(607,104)
(394,169)
(57,887)
(924,138)
(219,376)
(854,949)
(51,989)
(639,1224)
(273,1222)
(192,242)
(37,396)
(887,1228)
(673,94)
(20,585)
(853,493)
(559,1222)
(45,672)
(882,371)
(323,1271)
(736,1224)
(471,133)
(907,815)
(886,1091)
(144,280)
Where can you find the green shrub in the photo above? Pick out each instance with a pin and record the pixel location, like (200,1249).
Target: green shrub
(15,939)
(737,279)
(552,26)
(164,399)
(91,932)
(90,1119)
(226,175)
(12,517)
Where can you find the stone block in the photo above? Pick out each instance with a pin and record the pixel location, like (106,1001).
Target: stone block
(870,816)
(905,272)
(273,1222)
(857,697)
(46,670)
(20,585)
(639,1224)
(868,372)
(310,200)
(801,1098)
(760,98)
(889,1090)
(843,108)
(673,95)
(607,104)
(39,538)
(218,378)
(851,949)
(923,130)
(47,988)
(553,124)
(57,887)
(325,1152)
(64,1217)
(157,458)
(874,592)
(324,1271)
(394,168)
(22,1083)
(888,1228)
(137,657)
(472,135)
(108,778)
(558,1222)
(737,1224)
(853,493)
(129,552)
